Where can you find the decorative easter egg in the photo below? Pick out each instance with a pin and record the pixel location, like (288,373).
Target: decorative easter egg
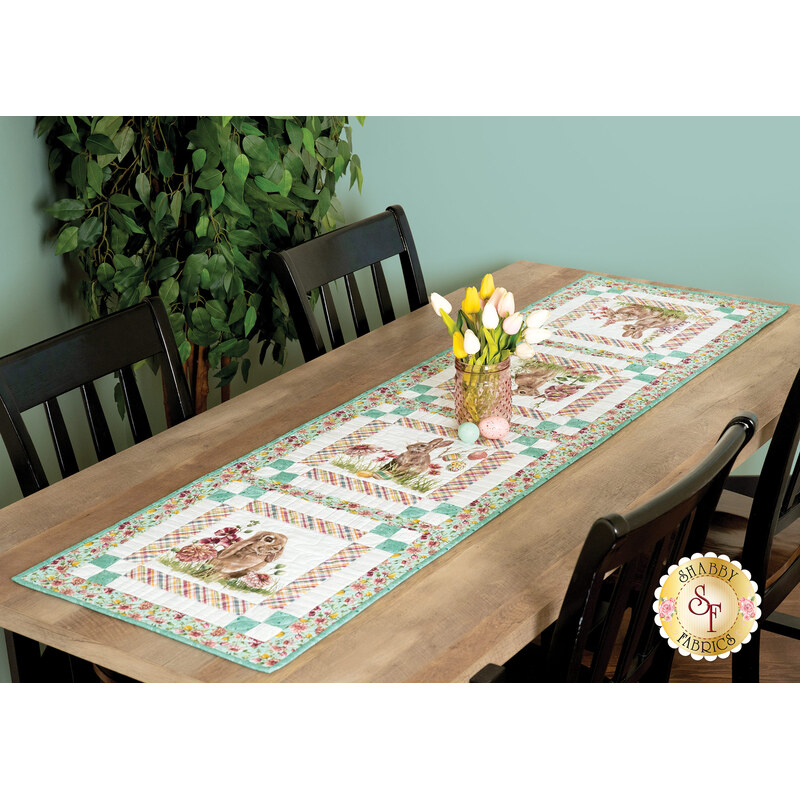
(477,455)
(493,427)
(455,466)
(364,474)
(468,432)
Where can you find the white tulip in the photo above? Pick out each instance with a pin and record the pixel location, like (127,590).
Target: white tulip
(523,350)
(536,318)
(471,343)
(440,304)
(490,318)
(534,335)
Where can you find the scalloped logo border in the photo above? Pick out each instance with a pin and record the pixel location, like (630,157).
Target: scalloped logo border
(706,567)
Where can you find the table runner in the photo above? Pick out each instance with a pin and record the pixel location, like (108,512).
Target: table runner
(260,559)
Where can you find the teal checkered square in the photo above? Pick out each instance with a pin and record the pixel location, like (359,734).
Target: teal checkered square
(548,426)
(653,357)
(636,367)
(241,625)
(412,512)
(391,546)
(526,440)
(104,561)
(281,463)
(385,530)
(723,309)
(284,477)
(427,398)
(420,388)
(220,495)
(644,378)
(253,491)
(373,413)
(533,452)
(679,354)
(402,411)
(737,317)
(280,619)
(447,508)
(576,423)
(103,578)
(593,292)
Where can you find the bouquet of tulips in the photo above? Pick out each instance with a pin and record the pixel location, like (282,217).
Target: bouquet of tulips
(488,329)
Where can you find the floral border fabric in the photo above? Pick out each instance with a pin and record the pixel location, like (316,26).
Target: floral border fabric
(259,560)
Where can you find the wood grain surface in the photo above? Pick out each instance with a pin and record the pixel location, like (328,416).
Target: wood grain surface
(479,602)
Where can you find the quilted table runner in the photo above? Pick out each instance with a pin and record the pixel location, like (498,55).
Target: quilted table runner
(257,561)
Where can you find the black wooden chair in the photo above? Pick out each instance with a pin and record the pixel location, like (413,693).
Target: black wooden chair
(607,613)
(339,254)
(767,541)
(39,374)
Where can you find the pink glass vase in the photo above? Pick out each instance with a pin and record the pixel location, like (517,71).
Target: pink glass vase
(482,391)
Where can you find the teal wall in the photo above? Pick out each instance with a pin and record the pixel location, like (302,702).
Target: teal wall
(706,202)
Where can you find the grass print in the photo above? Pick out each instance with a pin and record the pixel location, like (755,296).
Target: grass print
(203,571)
(408,480)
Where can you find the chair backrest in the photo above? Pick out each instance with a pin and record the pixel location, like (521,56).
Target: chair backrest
(339,254)
(619,568)
(776,505)
(38,374)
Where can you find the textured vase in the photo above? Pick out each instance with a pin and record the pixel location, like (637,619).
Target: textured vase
(482,391)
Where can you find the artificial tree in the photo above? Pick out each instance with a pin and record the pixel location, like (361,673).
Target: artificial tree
(188,208)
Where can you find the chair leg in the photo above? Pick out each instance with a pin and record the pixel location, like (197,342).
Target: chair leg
(24,658)
(744,667)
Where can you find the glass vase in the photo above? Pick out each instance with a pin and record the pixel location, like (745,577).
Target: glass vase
(482,391)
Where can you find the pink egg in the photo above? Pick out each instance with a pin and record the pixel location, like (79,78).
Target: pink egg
(493,427)
(477,456)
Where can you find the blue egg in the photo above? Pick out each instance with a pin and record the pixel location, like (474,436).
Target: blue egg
(468,432)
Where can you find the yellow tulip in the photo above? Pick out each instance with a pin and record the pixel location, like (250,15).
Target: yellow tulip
(458,345)
(471,304)
(487,286)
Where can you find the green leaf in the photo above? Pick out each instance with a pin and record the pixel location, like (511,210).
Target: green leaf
(160,207)
(308,139)
(165,268)
(249,320)
(168,291)
(142,184)
(209,179)
(124,201)
(89,233)
(94,176)
(295,134)
(165,163)
(198,158)
(243,238)
(67,240)
(205,280)
(326,147)
(107,125)
(338,166)
(175,207)
(241,166)
(72,142)
(238,309)
(217,196)
(201,229)
(286,183)
(266,185)
(216,309)
(105,274)
(100,145)
(78,173)
(132,226)
(279,222)
(184,350)
(67,209)
(361,120)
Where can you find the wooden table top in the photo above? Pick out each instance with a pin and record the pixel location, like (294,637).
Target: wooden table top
(480,602)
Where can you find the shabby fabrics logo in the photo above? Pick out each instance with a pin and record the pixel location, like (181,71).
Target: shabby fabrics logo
(707,606)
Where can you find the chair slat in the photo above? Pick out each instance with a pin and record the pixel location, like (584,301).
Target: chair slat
(323,260)
(356,306)
(137,417)
(331,317)
(382,293)
(98,427)
(61,441)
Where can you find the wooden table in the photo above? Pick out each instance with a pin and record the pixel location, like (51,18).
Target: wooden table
(479,602)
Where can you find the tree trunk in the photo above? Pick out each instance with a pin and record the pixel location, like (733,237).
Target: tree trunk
(196,369)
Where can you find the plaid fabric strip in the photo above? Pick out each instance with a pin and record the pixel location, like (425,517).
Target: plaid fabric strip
(530,413)
(591,398)
(587,337)
(689,333)
(466,479)
(427,427)
(583,366)
(303,521)
(194,591)
(343,445)
(170,540)
(661,303)
(316,576)
(357,485)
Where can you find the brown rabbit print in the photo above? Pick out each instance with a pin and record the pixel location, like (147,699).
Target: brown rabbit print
(637,319)
(249,555)
(417,457)
(531,380)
